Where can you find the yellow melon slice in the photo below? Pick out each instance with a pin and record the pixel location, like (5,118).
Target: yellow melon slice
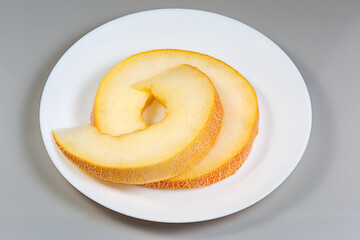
(240,111)
(162,150)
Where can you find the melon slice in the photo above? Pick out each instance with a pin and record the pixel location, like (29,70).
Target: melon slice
(238,98)
(160,151)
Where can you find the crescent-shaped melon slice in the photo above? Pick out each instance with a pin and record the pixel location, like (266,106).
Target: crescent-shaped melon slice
(157,152)
(240,111)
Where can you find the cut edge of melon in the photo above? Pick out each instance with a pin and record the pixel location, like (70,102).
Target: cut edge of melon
(176,165)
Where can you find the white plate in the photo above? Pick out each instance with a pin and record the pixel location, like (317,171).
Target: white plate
(284,103)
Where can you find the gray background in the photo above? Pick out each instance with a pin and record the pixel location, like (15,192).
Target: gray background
(320,200)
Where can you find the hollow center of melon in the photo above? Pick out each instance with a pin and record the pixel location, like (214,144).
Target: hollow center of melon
(154,112)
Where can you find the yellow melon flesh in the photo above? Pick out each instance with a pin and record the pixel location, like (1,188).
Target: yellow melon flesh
(164,149)
(238,98)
